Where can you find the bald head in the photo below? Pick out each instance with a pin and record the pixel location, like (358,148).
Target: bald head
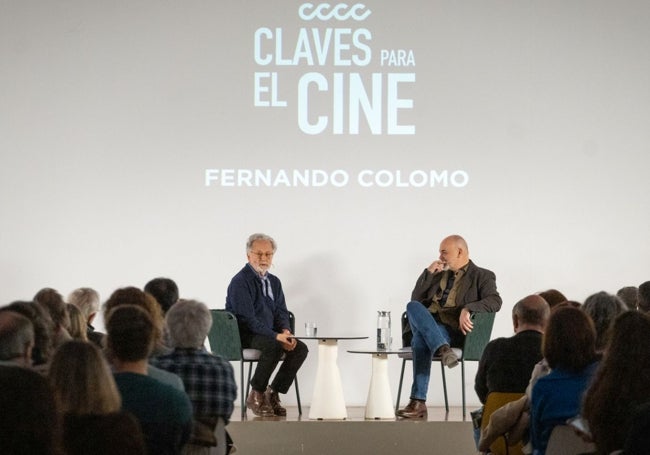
(454,252)
(530,313)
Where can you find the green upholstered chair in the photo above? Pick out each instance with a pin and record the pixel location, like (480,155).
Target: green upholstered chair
(472,349)
(225,342)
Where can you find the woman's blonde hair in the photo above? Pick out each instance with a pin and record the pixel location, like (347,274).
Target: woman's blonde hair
(78,328)
(82,380)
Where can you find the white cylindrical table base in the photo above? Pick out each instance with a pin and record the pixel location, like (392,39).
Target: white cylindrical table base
(328,401)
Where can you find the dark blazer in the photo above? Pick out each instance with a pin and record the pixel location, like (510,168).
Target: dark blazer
(477,292)
(257,314)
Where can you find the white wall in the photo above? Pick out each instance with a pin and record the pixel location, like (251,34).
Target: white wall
(111,112)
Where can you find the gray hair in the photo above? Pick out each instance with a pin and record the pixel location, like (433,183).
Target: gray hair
(188,322)
(16,334)
(259,236)
(86,299)
(603,308)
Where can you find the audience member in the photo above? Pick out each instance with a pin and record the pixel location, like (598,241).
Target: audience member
(569,347)
(42,324)
(52,301)
(621,384)
(87,300)
(164,413)
(643,297)
(16,339)
(29,419)
(602,308)
(131,295)
(87,396)
(553,297)
(256,298)
(628,295)
(164,290)
(78,329)
(209,380)
(507,363)
(82,380)
(513,419)
(134,296)
(445,295)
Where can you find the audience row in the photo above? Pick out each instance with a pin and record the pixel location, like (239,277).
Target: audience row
(147,386)
(575,363)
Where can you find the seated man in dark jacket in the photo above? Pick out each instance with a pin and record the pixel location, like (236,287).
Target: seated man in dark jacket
(256,298)
(445,295)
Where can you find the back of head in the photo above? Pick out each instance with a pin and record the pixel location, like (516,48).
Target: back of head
(643,297)
(133,296)
(130,333)
(52,301)
(78,328)
(16,337)
(532,310)
(164,290)
(82,381)
(188,323)
(603,308)
(569,339)
(553,297)
(29,420)
(628,352)
(628,296)
(43,327)
(86,299)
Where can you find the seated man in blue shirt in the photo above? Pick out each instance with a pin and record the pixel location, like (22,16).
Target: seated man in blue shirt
(255,297)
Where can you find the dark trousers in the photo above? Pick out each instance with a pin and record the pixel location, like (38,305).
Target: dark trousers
(271,355)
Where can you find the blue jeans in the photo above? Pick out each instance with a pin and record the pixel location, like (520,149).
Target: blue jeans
(428,336)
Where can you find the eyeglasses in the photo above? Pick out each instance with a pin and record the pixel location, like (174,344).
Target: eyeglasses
(261,254)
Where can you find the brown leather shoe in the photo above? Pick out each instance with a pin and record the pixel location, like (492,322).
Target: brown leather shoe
(449,358)
(416,409)
(273,399)
(257,403)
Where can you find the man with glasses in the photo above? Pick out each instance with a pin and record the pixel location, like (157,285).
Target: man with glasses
(256,298)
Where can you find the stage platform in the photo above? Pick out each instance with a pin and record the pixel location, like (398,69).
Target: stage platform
(442,433)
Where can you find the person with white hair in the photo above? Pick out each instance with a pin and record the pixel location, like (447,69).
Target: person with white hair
(209,380)
(87,300)
(256,298)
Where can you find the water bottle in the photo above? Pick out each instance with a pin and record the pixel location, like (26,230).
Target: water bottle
(383,330)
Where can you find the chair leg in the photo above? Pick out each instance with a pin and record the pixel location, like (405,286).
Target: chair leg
(295,381)
(399,388)
(248,381)
(444,386)
(243,397)
(462,385)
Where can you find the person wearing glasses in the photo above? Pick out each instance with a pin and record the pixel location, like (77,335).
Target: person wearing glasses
(255,297)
